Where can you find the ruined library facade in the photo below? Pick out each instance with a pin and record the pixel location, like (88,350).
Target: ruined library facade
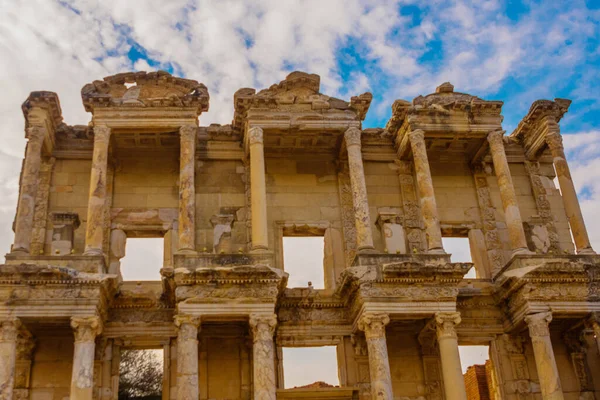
(297,163)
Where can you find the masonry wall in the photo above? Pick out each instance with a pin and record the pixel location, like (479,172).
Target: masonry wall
(52,365)
(406,365)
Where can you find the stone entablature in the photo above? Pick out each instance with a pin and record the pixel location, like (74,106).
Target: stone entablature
(296,162)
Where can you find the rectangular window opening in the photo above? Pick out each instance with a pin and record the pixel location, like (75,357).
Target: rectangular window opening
(303,259)
(310,367)
(143,259)
(141,374)
(478,371)
(460,251)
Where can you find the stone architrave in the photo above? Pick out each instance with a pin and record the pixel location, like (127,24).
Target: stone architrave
(187,356)
(364,235)
(454,386)
(187,189)
(567,190)
(258,189)
(82,379)
(263,328)
(94,234)
(373,324)
(544,355)
(8,356)
(426,193)
(512,215)
(29,186)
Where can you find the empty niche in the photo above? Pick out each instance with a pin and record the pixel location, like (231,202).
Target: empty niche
(143,259)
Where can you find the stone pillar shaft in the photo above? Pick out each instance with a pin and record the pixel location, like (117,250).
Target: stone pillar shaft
(263,328)
(544,355)
(379,365)
(29,185)
(94,234)
(512,214)
(187,357)
(187,189)
(426,193)
(258,189)
(454,386)
(364,235)
(8,357)
(567,190)
(82,379)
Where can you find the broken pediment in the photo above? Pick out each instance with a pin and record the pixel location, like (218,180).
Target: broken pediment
(145,89)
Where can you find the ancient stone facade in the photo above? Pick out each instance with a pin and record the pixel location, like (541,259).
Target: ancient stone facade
(296,162)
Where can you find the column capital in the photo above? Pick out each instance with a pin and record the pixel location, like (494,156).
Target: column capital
(263,326)
(86,328)
(538,323)
(188,131)
(101,132)
(373,324)
(416,135)
(186,319)
(445,322)
(353,136)
(10,329)
(255,135)
(496,137)
(36,133)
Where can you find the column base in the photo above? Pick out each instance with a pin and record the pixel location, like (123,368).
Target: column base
(522,252)
(20,251)
(366,250)
(438,250)
(259,250)
(93,252)
(587,250)
(187,252)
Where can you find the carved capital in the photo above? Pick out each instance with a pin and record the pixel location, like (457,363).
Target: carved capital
(188,133)
(554,141)
(538,324)
(352,136)
(373,324)
(101,133)
(495,138)
(445,322)
(263,326)
(255,135)
(187,326)
(86,328)
(417,136)
(36,133)
(10,329)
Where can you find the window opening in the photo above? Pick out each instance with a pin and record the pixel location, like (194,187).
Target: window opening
(477,371)
(141,374)
(303,260)
(310,367)
(143,259)
(460,251)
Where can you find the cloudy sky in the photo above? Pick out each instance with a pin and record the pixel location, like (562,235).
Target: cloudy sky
(513,51)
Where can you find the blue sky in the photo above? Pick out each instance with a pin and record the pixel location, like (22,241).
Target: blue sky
(514,51)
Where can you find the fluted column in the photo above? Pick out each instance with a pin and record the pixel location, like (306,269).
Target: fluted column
(454,385)
(544,355)
(82,378)
(187,189)
(258,189)
(8,356)
(187,357)
(567,190)
(512,215)
(364,235)
(29,184)
(97,197)
(263,328)
(373,324)
(426,193)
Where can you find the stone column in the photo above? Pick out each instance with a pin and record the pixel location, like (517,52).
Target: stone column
(258,189)
(25,346)
(187,189)
(544,355)
(595,323)
(426,193)
(263,328)
(94,234)
(567,190)
(512,215)
(29,185)
(187,357)
(82,379)
(8,356)
(373,324)
(454,385)
(362,218)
